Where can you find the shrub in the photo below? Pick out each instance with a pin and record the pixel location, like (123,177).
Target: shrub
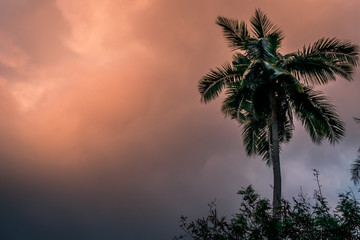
(299,220)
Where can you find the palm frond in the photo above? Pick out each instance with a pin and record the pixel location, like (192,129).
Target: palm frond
(240,62)
(236,33)
(310,70)
(257,139)
(275,40)
(263,146)
(261,49)
(254,74)
(211,85)
(322,61)
(355,170)
(277,73)
(286,128)
(262,26)
(335,50)
(237,105)
(318,115)
(285,116)
(253,129)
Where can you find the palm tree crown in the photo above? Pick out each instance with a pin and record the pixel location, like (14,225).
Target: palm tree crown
(266,89)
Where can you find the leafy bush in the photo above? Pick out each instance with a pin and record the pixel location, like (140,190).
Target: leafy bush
(299,219)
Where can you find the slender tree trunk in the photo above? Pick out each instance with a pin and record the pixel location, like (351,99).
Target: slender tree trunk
(275,156)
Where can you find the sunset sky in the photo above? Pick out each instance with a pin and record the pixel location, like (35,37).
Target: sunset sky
(103,135)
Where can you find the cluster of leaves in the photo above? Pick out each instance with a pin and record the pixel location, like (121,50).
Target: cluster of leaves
(299,220)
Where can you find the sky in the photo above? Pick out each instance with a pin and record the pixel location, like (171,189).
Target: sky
(103,135)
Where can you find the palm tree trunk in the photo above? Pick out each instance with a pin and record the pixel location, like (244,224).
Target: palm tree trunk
(275,156)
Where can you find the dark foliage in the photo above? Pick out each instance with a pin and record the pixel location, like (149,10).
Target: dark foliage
(300,219)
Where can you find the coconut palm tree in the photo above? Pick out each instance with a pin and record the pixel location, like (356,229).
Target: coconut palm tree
(355,170)
(265,89)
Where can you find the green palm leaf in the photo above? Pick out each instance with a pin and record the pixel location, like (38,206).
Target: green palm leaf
(240,62)
(310,70)
(334,50)
(213,83)
(262,26)
(253,129)
(275,40)
(236,33)
(322,61)
(261,49)
(238,103)
(318,115)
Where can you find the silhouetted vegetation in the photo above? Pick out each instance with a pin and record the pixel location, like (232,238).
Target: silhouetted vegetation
(301,219)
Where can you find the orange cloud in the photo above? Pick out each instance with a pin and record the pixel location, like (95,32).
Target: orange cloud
(11,55)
